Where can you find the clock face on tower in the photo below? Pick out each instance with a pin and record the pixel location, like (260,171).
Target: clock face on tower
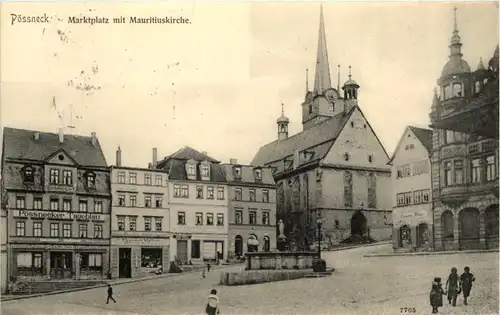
(331,95)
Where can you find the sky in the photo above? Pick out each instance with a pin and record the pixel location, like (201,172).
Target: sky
(217,84)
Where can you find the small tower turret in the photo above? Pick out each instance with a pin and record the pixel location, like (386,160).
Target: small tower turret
(350,93)
(282,122)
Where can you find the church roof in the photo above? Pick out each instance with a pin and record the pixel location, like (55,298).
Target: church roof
(21,144)
(317,140)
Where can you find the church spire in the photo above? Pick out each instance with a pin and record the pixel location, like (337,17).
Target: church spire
(322,79)
(455,44)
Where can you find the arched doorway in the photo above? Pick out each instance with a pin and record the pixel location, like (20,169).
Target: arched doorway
(405,237)
(468,229)
(238,246)
(252,243)
(423,235)
(491,226)
(358,224)
(267,244)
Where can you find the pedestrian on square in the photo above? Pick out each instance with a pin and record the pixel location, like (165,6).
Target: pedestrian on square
(110,294)
(452,287)
(466,280)
(436,295)
(212,307)
(208,267)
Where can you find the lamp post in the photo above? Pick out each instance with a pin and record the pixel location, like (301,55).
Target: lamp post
(318,222)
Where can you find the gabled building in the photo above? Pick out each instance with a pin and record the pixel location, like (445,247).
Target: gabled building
(334,170)
(411,191)
(252,208)
(198,203)
(58,205)
(465,165)
(140,222)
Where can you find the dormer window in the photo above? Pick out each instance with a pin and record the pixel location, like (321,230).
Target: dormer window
(237,171)
(28,175)
(90,180)
(258,174)
(205,170)
(191,169)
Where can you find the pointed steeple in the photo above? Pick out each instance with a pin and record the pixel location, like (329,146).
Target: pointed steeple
(480,66)
(455,44)
(322,79)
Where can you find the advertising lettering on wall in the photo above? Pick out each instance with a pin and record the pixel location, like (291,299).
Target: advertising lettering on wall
(57,215)
(412,218)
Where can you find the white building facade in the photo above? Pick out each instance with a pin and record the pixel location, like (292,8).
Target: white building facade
(411,185)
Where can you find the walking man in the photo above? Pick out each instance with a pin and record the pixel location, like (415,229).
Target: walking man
(452,287)
(110,294)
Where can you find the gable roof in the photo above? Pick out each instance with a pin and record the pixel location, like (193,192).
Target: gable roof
(175,165)
(311,139)
(423,135)
(188,153)
(21,144)
(248,174)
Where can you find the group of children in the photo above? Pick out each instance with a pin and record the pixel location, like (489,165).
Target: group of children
(454,286)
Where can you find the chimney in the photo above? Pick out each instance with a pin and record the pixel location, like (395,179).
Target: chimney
(61,135)
(119,157)
(155,157)
(296,159)
(37,135)
(94,138)
(233,161)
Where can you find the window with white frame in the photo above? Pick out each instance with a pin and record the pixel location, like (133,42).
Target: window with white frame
(265,195)
(417,197)
(252,217)
(191,169)
(425,195)
(458,168)
(199,192)
(147,223)
(210,192)
(448,178)
(121,223)
(205,170)
(238,216)
(408,198)
(147,201)
(90,180)
(132,223)
(159,180)
(210,219)
(83,205)
(54,176)
(475,171)
(67,230)
(20,228)
(37,203)
(132,200)
(158,224)
(237,194)
(266,218)
(177,190)
(400,199)
(199,218)
(98,206)
(220,193)
(132,178)
(54,230)
(20,202)
(67,177)
(251,193)
(181,218)
(37,229)
(220,219)
(54,204)
(159,201)
(491,173)
(185,191)
(67,204)
(121,200)
(121,177)
(98,231)
(82,230)
(147,179)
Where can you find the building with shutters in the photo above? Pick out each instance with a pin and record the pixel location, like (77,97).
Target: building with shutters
(411,191)
(252,208)
(198,203)
(465,152)
(57,199)
(140,222)
(334,170)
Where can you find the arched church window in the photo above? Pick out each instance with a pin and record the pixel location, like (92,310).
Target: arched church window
(331,106)
(310,108)
(457,90)
(478,86)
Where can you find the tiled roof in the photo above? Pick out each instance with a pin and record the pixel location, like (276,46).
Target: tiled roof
(424,136)
(188,153)
(248,175)
(175,164)
(21,144)
(311,139)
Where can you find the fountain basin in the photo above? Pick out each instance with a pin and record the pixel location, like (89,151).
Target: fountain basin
(279,260)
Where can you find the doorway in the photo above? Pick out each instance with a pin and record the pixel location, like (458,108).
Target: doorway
(61,265)
(182,252)
(267,244)
(358,224)
(238,246)
(124,263)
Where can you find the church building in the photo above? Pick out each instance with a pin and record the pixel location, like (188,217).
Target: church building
(465,165)
(334,171)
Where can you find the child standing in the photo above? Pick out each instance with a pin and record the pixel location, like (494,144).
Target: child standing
(436,295)
(451,287)
(212,307)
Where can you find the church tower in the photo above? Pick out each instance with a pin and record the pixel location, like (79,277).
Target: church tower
(282,123)
(323,102)
(350,93)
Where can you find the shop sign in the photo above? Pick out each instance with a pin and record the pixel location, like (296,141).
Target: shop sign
(42,214)
(412,218)
(139,241)
(86,216)
(57,215)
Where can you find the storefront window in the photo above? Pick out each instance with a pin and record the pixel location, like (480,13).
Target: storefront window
(151,257)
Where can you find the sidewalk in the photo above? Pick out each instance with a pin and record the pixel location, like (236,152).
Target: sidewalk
(113,282)
(452,252)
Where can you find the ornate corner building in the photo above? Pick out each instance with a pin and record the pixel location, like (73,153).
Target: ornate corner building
(464,117)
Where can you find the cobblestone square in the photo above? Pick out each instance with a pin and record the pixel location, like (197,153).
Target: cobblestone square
(360,285)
